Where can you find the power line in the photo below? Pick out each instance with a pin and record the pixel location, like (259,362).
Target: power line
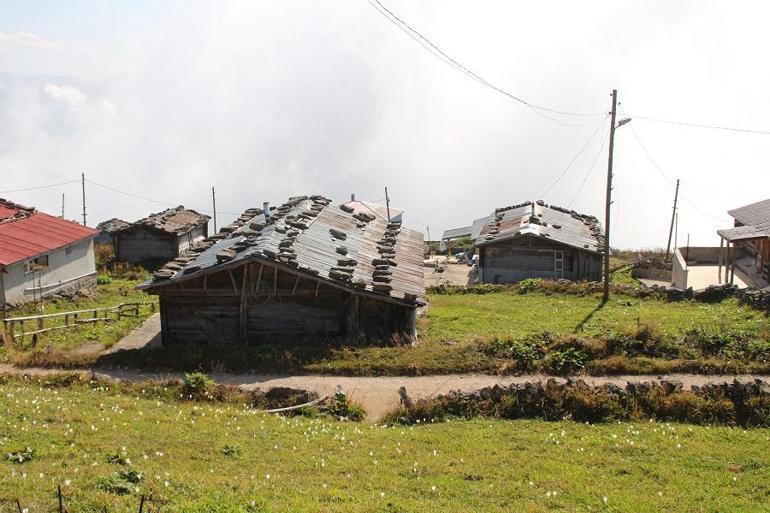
(564,172)
(41,187)
(165,203)
(437,52)
(590,170)
(669,181)
(700,125)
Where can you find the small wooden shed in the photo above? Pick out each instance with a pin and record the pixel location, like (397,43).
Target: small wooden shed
(161,236)
(536,240)
(308,268)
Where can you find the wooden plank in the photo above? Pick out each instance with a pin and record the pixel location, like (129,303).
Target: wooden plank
(232,280)
(243,308)
(296,282)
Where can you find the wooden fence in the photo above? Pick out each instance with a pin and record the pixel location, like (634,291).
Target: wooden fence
(38,325)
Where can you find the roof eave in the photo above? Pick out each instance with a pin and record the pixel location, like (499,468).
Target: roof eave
(293,270)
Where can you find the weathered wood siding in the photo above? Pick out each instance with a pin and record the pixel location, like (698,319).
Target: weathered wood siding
(139,244)
(534,257)
(257,304)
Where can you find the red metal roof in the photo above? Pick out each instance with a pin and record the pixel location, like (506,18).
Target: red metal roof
(36,234)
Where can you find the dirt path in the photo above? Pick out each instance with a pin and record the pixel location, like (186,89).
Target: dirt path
(380,393)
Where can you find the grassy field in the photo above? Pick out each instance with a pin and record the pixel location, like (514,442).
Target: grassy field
(112,291)
(97,443)
(495,330)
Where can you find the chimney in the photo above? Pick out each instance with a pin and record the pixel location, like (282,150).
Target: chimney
(353,196)
(266,209)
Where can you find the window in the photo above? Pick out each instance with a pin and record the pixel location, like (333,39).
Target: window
(68,250)
(38,264)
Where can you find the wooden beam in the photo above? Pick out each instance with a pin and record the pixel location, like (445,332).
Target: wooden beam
(243,310)
(259,278)
(275,281)
(296,282)
(232,280)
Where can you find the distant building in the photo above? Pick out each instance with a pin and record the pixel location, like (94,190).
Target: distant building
(108,228)
(42,255)
(160,236)
(536,240)
(750,239)
(308,268)
(455,234)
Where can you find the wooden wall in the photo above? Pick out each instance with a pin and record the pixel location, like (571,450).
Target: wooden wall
(139,244)
(256,303)
(513,260)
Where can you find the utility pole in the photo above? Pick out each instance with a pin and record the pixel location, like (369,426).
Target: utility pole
(62,205)
(83,184)
(387,203)
(214,202)
(673,217)
(430,249)
(608,200)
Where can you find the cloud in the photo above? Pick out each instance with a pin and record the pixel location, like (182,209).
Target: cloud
(70,95)
(29,40)
(267,100)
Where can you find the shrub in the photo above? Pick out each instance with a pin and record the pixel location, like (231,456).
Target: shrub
(103,279)
(197,385)
(342,408)
(529,284)
(122,482)
(523,352)
(231,450)
(21,455)
(565,361)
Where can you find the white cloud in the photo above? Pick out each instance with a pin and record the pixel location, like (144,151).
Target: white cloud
(70,95)
(29,40)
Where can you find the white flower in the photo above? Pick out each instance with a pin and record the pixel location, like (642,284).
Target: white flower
(605,499)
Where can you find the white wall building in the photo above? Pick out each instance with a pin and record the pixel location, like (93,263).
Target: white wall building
(42,255)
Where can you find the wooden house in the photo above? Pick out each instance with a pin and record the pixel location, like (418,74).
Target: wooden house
(42,255)
(307,268)
(160,236)
(749,236)
(536,240)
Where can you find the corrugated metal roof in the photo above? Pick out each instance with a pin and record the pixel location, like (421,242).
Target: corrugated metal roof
(744,233)
(336,243)
(541,220)
(456,233)
(34,233)
(755,214)
(177,220)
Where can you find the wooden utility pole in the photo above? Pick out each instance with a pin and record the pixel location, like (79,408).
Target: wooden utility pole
(62,205)
(387,203)
(83,186)
(608,200)
(673,218)
(214,203)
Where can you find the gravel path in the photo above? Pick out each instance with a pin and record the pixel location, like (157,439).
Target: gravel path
(379,394)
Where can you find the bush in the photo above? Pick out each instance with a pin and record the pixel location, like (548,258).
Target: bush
(21,455)
(565,361)
(103,279)
(122,482)
(197,385)
(530,284)
(342,408)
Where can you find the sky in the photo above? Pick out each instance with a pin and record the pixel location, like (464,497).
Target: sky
(156,102)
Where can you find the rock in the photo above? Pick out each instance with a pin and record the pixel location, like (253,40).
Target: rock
(225,255)
(337,234)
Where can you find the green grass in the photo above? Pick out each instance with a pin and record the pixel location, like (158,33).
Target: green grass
(459,329)
(513,315)
(218,457)
(112,293)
